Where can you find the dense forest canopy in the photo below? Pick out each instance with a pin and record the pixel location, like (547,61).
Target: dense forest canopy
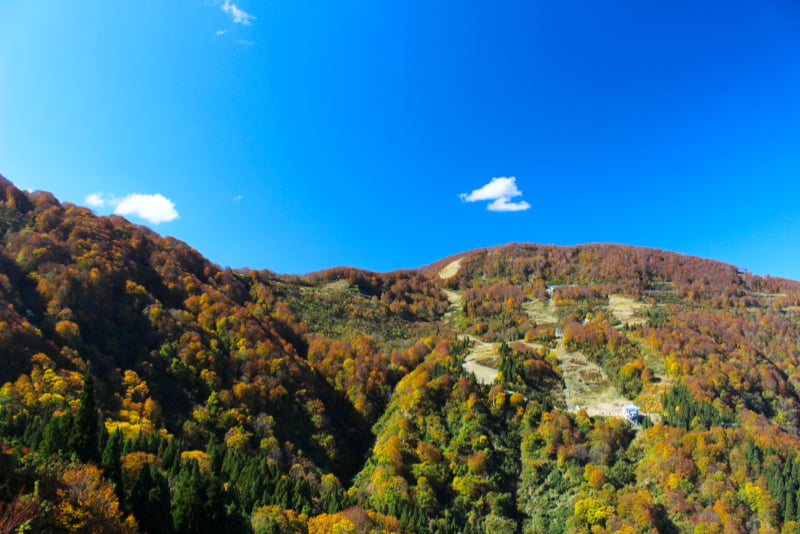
(145,389)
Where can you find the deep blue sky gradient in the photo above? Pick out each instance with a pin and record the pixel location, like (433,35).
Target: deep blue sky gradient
(349,129)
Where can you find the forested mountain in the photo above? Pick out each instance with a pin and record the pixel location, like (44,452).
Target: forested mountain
(145,389)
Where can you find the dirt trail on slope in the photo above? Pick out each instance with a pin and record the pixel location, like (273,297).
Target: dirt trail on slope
(586,384)
(450,270)
(479,359)
(482,356)
(453,297)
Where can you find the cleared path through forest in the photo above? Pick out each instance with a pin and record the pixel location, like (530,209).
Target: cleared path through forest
(586,385)
(479,355)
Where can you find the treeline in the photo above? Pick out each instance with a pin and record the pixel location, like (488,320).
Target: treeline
(636,271)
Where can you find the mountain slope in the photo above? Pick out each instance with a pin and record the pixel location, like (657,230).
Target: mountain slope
(282,403)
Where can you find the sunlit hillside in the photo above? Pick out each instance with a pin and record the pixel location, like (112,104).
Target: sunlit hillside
(146,389)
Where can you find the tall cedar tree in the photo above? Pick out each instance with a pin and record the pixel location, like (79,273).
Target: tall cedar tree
(111,462)
(84,439)
(149,501)
(198,504)
(55,430)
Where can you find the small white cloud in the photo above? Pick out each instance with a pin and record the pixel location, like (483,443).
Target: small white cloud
(500,191)
(95,199)
(239,16)
(245,43)
(237,198)
(221,32)
(503,204)
(154,208)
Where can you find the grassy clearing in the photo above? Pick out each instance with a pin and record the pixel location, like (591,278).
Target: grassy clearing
(628,310)
(336,286)
(585,382)
(543,313)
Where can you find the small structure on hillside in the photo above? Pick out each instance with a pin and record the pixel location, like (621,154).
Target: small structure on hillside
(631,413)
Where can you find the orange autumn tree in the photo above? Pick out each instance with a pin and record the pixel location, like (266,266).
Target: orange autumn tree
(87,503)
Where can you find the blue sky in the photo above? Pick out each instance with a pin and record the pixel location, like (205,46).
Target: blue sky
(297,136)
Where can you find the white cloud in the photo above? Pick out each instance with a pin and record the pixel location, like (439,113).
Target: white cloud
(154,208)
(500,191)
(95,199)
(239,16)
(221,32)
(503,204)
(497,188)
(244,42)
(237,198)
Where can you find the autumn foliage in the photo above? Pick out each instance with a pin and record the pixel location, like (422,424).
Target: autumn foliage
(145,389)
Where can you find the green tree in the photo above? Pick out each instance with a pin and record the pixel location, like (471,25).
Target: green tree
(111,462)
(187,502)
(149,501)
(171,457)
(85,436)
(54,432)
(198,505)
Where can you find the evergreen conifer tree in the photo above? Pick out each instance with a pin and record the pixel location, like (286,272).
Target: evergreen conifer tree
(216,450)
(84,438)
(149,501)
(215,510)
(187,500)
(111,462)
(32,434)
(171,457)
(55,432)
(199,503)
